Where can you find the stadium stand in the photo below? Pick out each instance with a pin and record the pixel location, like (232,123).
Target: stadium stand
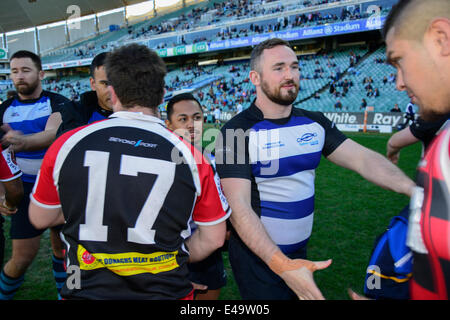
(227,20)
(318,72)
(328,72)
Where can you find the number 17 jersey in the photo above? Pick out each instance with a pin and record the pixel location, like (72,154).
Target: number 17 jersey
(128,189)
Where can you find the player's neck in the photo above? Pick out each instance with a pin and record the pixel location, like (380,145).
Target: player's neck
(272,110)
(144,110)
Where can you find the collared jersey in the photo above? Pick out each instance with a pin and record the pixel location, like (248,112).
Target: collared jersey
(279,157)
(29,117)
(128,189)
(429,226)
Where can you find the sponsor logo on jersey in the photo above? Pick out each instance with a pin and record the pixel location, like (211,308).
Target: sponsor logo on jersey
(308,138)
(138,143)
(128,263)
(270,145)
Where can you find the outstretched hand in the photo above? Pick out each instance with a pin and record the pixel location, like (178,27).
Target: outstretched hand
(301,280)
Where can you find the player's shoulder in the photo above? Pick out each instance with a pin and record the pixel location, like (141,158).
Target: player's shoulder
(5,104)
(243,120)
(57,100)
(66,135)
(314,116)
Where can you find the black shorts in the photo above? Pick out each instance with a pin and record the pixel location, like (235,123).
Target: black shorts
(21,227)
(254,278)
(210,271)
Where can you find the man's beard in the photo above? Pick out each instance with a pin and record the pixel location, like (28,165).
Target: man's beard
(27,89)
(276,95)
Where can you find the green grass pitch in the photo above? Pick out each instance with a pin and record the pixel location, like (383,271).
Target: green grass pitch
(350,212)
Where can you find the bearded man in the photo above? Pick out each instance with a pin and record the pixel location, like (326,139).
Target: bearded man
(266,158)
(30,119)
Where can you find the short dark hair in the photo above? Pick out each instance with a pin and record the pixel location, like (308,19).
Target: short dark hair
(28,54)
(180,97)
(259,49)
(97,62)
(137,75)
(393,16)
(411,18)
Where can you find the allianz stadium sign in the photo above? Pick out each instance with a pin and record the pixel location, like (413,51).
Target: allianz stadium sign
(333,29)
(289,35)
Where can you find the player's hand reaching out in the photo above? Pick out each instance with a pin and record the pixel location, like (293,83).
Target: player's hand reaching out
(298,275)
(301,280)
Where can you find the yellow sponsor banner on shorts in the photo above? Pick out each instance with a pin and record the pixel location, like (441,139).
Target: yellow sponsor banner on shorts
(128,263)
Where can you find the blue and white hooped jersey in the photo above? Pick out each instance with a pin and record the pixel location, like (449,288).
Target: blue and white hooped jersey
(279,157)
(29,117)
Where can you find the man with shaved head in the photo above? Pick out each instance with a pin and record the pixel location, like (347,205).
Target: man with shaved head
(417,35)
(409,32)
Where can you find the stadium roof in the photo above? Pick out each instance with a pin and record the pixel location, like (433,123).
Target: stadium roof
(23,14)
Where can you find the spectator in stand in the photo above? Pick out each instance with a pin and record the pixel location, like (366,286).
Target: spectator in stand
(363,104)
(396,108)
(217,113)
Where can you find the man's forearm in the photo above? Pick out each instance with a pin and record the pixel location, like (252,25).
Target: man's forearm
(40,140)
(378,170)
(14,192)
(372,166)
(402,139)
(205,240)
(251,230)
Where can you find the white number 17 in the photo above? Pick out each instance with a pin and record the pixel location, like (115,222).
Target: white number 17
(97,161)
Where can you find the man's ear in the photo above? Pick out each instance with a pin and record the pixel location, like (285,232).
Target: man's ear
(91,82)
(439,31)
(114,99)
(255,77)
(41,75)
(167,122)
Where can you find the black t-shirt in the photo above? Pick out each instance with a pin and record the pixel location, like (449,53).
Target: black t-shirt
(86,111)
(279,157)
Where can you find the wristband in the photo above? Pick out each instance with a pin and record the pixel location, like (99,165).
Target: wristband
(279,263)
